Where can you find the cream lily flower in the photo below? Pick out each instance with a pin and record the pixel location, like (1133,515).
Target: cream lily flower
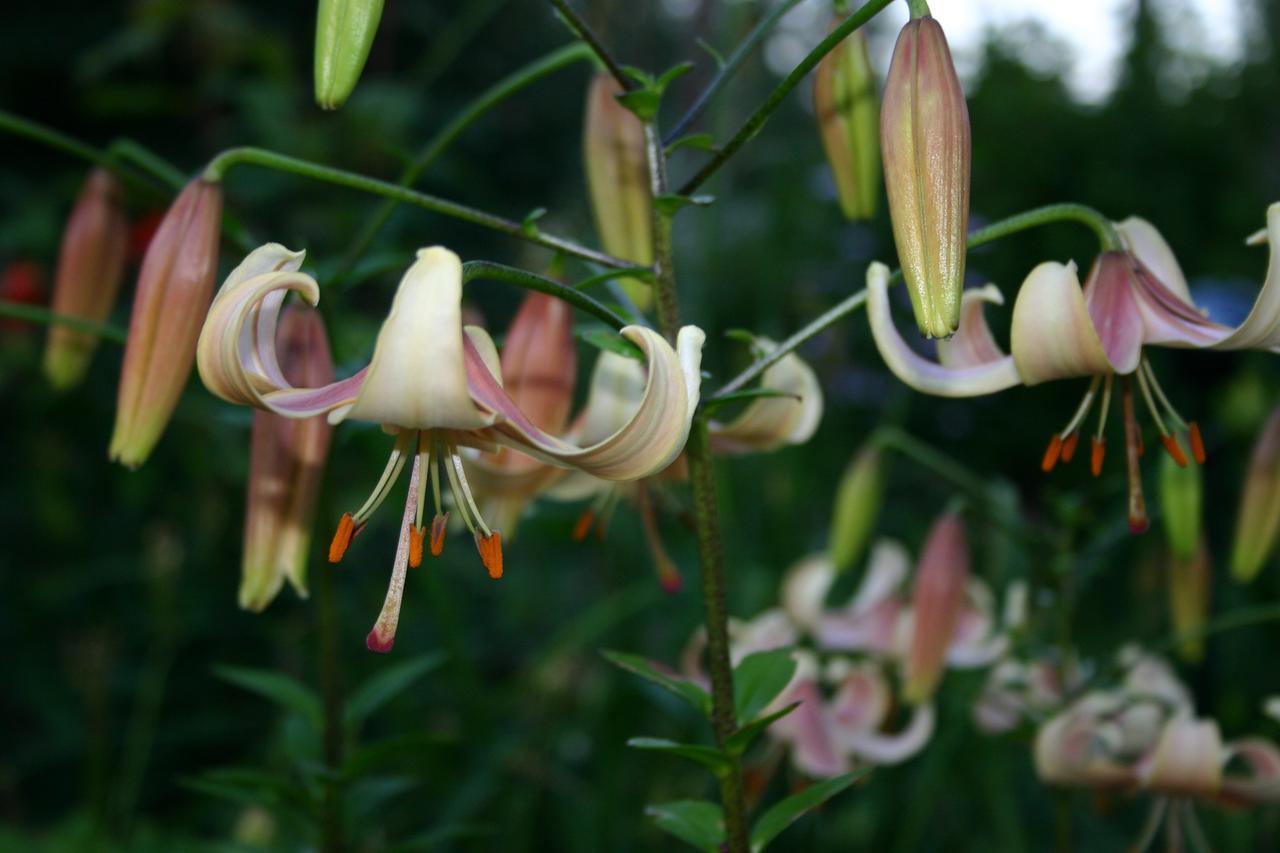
(436,387)
(1132,298)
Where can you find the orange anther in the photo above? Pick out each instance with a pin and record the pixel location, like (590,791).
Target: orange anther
(1069,446)
(341,538)
(490,548)
(1051,454)
(439,525)
(1175,450)
(416,535)
(1097,452)
(1197,443)
(583,525)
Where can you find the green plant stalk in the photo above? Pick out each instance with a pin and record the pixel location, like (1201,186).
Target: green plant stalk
(266,159)
(129,150)
(753,124)
(475,270)
(36,314)
(490,98)
(584,32)
(728,69)
(1102,227)
(724,721)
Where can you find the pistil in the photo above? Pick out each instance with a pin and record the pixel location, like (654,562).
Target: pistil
(1138,521)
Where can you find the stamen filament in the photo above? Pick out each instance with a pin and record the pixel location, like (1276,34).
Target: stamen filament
(383,635)
(1102,413)
(1155,385)
(389,476)
(1082,411)
(462,490)
(1151,405)
(668,575)
(424,465)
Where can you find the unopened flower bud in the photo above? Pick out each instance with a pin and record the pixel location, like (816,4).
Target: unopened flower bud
(924,140)
(1258,520)
(1181,493)
(617,178)
(174,289)
(344,35)
(936,599)
(90,269)
(844,97)
(857,505)
(286,462)
(1189,585)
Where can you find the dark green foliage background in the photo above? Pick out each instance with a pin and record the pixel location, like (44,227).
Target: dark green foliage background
(517,741)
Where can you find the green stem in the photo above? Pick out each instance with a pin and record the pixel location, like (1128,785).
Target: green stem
(148,161)
(716,610)
(582,30)
(919,8)
(36,314)
(475,270)
(218,167)
(893,438)
(729,69)
(490,98)
(1099,224)
(60,141)
(664,281)
(753,124)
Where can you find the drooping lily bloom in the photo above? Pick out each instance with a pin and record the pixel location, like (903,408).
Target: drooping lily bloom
(1143,736)
(90,269)
(437,388)
(1133,298)
(286,463)
(174,286)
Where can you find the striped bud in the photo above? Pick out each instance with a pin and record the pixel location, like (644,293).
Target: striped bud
(344,35)
(844,98)
(936,600)
(1258,520)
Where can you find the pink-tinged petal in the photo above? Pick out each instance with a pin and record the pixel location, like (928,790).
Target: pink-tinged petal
(805,588)
(647,443)
(1167,319)
(1070,749)
(1187,760)
(807,729)
(1109,298)
(875,747)
(862,701)
(766,632)
(383,635)
(976,642)
(1145,243)
(973,345)
(870,622)
(1261,329)
(768,423)
(1053,334)
(1260,782)
(918,372)
(936,599)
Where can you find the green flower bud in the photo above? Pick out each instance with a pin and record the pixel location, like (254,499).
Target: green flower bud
(1181,493)
(1189,586)
(844,97)
(857,504)
(1258,521)
(344,34)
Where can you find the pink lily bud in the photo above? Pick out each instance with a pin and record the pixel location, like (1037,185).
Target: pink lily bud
(286,462)
(174,289)
(844,97)
(924,140)
(90,269)
(618,180)
(1258,520)
(936,599)
(1189,585)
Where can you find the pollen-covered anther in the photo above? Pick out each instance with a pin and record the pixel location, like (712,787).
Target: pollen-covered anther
(1097,452)
(416,535)
(1069,446)
(1051,454)
(583,525)
(1197,443)
(1175,450)
(490,548)
(341,538)
(439,525)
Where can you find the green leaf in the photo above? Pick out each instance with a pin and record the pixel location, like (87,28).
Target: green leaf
(686,690)
(281,689)
(696,822)
(785,812)
(609,341)
(669,76)
(643,102)
(711,51)
(671,203)
(701,141)
(529,225)
(708,756)
(385,685)
(759,679)
(740,740)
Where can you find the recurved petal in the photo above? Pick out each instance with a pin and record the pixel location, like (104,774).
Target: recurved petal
(1146,244)
(1054,335)
(805,588)
(1259,759)
(973,345)
(650,439)
(768,423)
(1261,329)
(1187,759)
(876,747)
(417,378)
(918,372)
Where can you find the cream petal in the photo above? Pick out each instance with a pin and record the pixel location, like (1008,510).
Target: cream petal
(973,344)
(863,700)
(768,423)
(807,729)
(917,372)
(976,642)
(1261,329)
(1053,334)
(875,747)
(1261,782)
(417,378)
(1187,760)
(1146,244)
(805,588)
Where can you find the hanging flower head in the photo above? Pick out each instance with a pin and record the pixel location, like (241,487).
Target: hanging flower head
(1133,297)
(436,387)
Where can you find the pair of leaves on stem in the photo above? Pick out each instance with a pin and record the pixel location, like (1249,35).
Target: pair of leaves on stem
(757,681)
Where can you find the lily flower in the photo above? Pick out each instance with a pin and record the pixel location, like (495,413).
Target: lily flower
(1133,297)
(286,463)
(1143,736)
(436,387)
